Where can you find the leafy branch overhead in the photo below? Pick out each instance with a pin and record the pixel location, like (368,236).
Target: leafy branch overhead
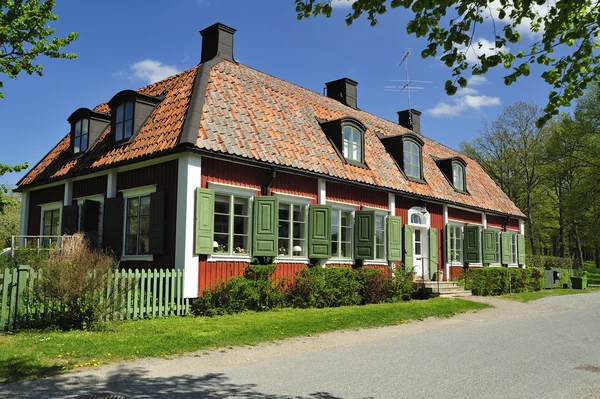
(6,200)
(565,42)
(25,35)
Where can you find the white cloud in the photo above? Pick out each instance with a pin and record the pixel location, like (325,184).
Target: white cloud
(203,3)
(479,48)
(152,71)
(477,80)
(342,3)
(464,100)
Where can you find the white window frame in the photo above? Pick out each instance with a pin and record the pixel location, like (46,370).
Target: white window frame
(458,179)
(419,154)
(513,241)
(421,211)
(100,199)
(288,199)
(51,206)
(349,145)
(453,245)
(133,193)
(239,191)
(343,207)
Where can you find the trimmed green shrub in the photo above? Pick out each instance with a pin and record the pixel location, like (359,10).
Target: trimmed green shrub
(317,287)
(548,262)
(488,281)
(255,290)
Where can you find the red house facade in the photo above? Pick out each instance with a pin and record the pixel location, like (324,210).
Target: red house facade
(220,164)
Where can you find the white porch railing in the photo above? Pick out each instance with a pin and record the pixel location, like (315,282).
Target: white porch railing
(39,243)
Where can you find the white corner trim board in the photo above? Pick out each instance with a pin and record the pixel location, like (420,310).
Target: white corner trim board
(188,179)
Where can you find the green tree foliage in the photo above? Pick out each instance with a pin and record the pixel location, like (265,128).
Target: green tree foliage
(6,200)
(25,35)
(9,224)
(569,28)
(552,173)
(510,150)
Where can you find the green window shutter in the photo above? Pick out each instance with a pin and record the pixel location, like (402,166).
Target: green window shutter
(521,248)
(408,248)
(394,238)
(205,221)
(505,248)
(70,215)
(113,225)
(319,237)
(364,235)
(266,220)
(489,243)
(157,223)
(472,243)
(433,252)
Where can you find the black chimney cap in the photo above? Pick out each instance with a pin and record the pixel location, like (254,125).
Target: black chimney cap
(217,41)
(343,90)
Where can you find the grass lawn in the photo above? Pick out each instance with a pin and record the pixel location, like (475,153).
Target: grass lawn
(532,296)
(33,354)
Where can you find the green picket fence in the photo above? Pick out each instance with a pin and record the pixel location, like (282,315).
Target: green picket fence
(135,294)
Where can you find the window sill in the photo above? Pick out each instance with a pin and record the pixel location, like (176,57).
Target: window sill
(339,261)
(375,263)
(145,258)
(229,258)
(281,259)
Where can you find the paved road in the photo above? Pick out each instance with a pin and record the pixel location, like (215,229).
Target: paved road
(513,351)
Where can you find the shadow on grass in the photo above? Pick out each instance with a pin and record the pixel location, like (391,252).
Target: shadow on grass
(130,382)
(23,367)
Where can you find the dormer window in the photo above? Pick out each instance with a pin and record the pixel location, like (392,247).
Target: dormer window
(458,176)
(455,171)
(81,136)
(124,121)
(86,127)
(406,149)
(412,159)
(353,144)
(348,138)
(130,110)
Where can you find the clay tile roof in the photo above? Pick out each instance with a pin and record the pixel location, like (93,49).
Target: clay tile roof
(250,114)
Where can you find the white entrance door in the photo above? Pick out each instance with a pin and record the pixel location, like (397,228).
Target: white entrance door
(418,251)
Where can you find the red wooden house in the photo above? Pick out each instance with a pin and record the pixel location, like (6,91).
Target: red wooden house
(222,163)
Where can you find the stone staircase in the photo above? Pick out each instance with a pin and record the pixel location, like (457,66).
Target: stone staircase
(445,289)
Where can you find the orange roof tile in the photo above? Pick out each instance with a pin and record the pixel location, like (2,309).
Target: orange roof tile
(253,115)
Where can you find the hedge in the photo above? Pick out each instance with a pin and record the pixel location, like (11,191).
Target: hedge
(313,287)
(488,281)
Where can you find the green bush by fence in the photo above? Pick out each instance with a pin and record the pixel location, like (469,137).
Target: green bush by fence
(315,287)
(489,281)
(138,294)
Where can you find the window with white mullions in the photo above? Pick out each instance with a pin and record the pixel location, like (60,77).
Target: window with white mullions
(352,144)
(458,176)
(513,249)
(51,226)
(341,234)
(81,136)
(412,159)
(456,244)
(292,230)
(124,121)
(380,237)
(231,225)
(137,229)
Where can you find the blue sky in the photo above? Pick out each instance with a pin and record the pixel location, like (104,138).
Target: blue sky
(128,44)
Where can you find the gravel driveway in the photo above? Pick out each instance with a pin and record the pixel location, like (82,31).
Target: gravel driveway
(549,348)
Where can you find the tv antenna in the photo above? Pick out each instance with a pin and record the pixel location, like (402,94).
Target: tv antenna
(406,86)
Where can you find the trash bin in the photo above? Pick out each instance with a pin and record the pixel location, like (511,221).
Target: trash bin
(579,283)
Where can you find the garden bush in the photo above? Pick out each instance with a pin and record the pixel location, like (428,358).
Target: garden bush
(313,287)
(488,281)
(75,281)
(548,262)
(255,290)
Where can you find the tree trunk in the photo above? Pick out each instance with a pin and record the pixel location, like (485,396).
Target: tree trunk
(578,244)
(530,223)
(561,232)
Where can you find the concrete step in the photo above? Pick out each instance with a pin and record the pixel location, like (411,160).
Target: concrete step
(463,294)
